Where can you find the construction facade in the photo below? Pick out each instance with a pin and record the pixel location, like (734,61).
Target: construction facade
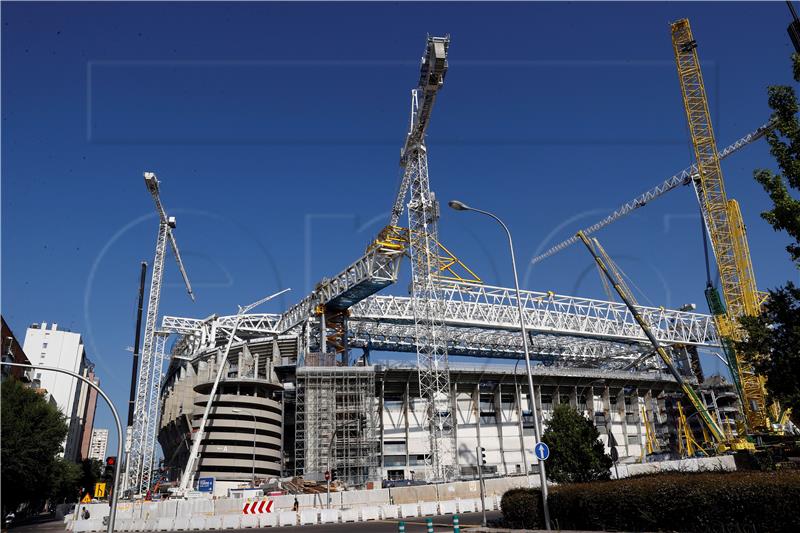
(366,424)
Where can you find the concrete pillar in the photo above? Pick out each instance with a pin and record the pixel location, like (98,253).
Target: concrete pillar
(476,405)
(619,399)
(498,420)
(454,418)
(518,401)
(405,416)
(537,391)
(590,405)
(636,403)
(607,415)
(380,421)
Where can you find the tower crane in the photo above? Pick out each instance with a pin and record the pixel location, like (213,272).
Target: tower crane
(139,466)
(423,239)
(724,225)
(431,263)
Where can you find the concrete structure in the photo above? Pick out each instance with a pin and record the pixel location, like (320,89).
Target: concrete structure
(383,435)
(50,346)
(98,444)
(249,395)
(491,411)
(721,400)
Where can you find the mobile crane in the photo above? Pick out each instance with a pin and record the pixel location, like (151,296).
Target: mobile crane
(725,227)
(721,441)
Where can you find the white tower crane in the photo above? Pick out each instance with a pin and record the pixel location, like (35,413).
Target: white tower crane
(423,214)
(141,455)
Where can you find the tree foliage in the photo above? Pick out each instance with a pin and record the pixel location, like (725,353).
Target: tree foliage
(32,431)
(91,472)
(773,338)
(784,141)
(576,453)
(773,344)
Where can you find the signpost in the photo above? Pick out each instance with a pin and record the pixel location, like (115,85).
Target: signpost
(542,451)
(615,459)
(206,484)
(328,486)
(99,490)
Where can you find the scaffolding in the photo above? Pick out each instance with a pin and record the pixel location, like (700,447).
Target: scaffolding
(342,400)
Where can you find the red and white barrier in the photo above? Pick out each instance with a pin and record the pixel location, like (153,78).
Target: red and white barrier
(257,507)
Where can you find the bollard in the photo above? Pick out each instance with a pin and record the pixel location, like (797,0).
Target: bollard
(401,527)
(429,523)
(456,528)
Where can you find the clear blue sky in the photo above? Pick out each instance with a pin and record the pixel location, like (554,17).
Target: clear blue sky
(276,128)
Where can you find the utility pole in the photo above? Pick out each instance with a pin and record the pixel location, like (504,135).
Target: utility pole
(537,424)
(132,399)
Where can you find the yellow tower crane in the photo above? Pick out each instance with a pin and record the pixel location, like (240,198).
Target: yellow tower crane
(723,221)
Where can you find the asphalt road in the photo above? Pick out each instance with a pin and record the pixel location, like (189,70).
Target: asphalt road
(413,525)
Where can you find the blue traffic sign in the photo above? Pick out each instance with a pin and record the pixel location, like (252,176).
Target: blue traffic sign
(206,484)
(542,451)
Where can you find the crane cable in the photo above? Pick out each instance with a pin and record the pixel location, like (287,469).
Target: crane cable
(709,283)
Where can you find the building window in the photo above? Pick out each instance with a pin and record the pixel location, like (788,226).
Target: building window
(394,460)
(633,439)
(394,448)
(395,475)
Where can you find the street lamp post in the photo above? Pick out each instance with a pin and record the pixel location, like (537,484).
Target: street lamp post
(253,480)
(460,206)
(112,515)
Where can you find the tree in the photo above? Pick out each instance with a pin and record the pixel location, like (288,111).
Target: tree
(576,453)
(32,431)
(784,141)
(772,340)
(91,472)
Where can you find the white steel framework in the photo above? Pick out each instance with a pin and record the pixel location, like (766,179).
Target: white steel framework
(480,320)
(684,177)
(140,458)
(139,467)
(483,306)
(153,408)
(423,213)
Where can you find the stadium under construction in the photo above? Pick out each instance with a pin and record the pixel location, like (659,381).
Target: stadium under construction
(253,397)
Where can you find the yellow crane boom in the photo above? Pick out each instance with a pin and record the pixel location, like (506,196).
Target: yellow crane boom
(725,228)
(622,289)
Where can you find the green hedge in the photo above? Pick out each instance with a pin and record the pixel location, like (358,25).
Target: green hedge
(522,508)
(708,501)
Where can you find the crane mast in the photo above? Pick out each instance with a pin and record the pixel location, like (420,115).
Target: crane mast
(142,451)
(427,302)
(725,228)
(433,69)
